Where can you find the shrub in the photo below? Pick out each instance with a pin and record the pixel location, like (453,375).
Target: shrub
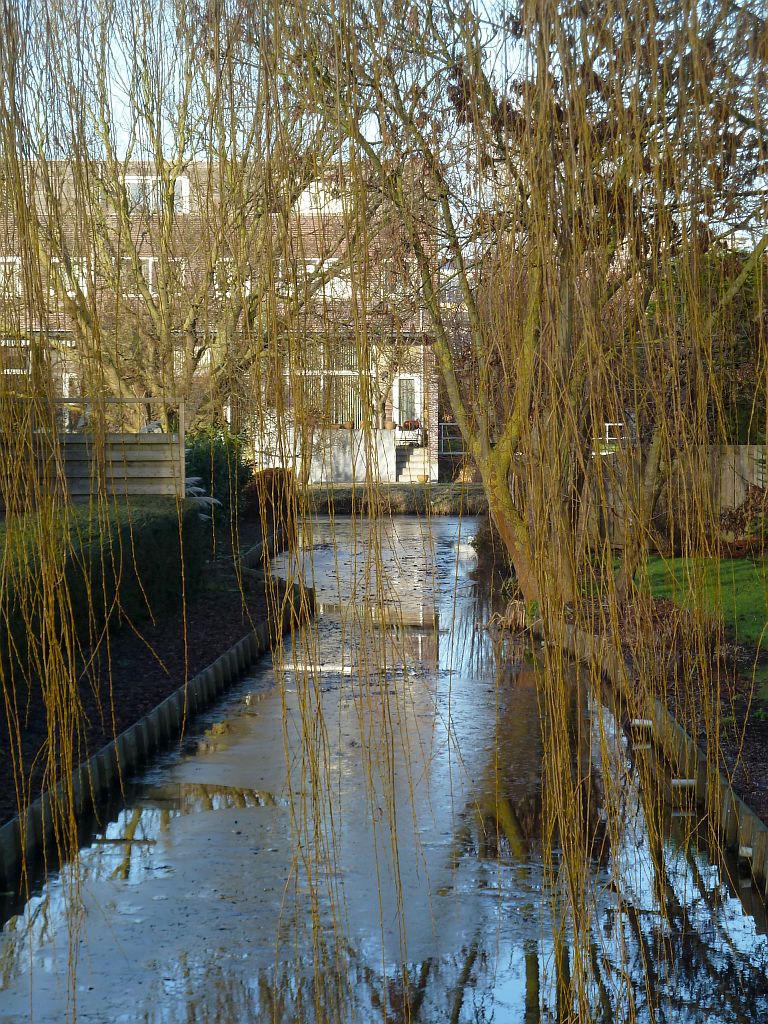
(270,491)
(745,528)
(216,458)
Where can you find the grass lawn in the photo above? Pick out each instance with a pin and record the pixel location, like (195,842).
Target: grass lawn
(735,588)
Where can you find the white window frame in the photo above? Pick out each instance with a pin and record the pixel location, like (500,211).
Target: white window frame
(222,290)
(152,199)
(146,263)
(15,292)
(320,198)
(148,266)
(337,288)
(180,265)
(23,345)
(80,273)
(282,281)
(418,396)
(393,285)
(204,363)
(148,201)
(181,194)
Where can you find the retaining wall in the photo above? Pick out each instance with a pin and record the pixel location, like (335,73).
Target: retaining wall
(38,833)
(741,829)
(338,456)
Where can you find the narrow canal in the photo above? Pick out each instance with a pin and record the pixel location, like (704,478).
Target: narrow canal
(359,834)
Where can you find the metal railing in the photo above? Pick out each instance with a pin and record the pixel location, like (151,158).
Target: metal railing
(450,440)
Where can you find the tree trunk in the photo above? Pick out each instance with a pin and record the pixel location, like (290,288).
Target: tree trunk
(511,528)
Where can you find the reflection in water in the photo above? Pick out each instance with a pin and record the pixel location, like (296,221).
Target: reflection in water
(380,832)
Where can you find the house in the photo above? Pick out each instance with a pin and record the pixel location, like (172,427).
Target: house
(254,304)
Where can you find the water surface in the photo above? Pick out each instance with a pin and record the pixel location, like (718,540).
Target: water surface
(355,834)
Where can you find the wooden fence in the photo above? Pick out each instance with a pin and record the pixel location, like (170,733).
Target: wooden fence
(93,459)
(122,464)
(97,461)
(710,479)
(735,468)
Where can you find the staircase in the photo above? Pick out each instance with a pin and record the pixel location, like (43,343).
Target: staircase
(410,464)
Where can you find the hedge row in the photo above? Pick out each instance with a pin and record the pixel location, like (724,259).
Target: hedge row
(102,565)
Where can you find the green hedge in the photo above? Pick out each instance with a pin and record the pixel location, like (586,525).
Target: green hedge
(216,458)
(107,563)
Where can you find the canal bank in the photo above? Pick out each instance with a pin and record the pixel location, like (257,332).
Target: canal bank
(429,499)
(359,833)
(707,788)
(54,821)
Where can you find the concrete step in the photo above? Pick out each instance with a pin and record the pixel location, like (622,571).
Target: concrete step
(411,463)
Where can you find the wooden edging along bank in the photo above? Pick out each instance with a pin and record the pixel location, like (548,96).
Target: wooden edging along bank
(743,831)
(25,839)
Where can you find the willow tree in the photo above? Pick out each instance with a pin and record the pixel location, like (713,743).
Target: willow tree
(569,169)
(589,157)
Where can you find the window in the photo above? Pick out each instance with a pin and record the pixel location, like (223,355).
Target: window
(393,278)
(148,271)
(178,275)
(62,283)
(227,280)
(407,399)
(294,276)
(181,195)
(284,277)
(341,356)
(14,356)
(10,277)
(336,399)
(451,294)
(326,380)
(146,192)
(339,284)
(201,357)
(149,268)
(321,198)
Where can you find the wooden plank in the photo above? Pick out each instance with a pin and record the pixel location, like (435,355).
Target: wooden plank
(143,459)
(151,456)
(122,439)
(149,470)
(134,487)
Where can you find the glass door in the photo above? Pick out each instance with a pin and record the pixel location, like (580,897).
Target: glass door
(406,404)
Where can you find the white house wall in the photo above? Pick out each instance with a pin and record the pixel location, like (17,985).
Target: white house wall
(338,456)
